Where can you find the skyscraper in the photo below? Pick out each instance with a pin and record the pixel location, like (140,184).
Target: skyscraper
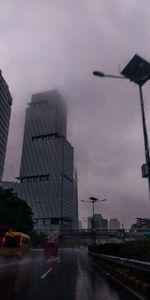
(47,163)
(5,112)
(99,222)
(114,224)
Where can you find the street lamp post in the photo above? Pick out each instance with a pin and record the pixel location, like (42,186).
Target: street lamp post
(93,200)
(138,71)
(146,143)
(85,220)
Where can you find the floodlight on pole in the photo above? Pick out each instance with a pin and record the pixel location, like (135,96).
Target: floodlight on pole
(138,71)
(101,74)
(93,200)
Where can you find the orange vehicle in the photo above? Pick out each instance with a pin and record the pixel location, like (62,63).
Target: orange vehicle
(15,244)
(50,248)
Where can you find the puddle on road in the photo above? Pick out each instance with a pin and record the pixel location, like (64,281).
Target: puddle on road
(90,286)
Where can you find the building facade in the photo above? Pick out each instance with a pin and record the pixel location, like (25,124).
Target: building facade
(47,163)
(5,112)
(114,224)
(47,181)
(99,222)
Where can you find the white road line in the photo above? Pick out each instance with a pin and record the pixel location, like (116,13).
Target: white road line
(6,266)
(49,270)
(46,273)
(59,261)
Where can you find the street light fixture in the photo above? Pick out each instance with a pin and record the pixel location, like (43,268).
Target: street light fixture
(101,74)
(138,71)
(93,200)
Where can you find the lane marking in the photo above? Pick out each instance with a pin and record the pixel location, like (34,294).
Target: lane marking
(7,266)
(49,270)
(46,273)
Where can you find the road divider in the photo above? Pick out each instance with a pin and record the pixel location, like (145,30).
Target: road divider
(132,274)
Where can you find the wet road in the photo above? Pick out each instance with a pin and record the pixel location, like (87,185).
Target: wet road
(69,276)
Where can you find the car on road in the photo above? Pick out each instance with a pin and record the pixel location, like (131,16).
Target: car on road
(51,248)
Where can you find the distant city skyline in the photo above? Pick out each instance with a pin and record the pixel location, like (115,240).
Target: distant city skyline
(99,222)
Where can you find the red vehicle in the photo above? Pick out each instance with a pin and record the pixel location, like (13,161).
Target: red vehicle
(51,248)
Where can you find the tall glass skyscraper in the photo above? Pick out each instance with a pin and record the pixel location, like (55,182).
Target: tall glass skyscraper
(47,164)
(5,112)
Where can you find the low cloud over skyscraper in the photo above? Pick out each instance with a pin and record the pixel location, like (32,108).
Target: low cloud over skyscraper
(46,181)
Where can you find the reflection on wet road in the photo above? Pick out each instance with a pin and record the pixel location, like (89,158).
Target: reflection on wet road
(68,276)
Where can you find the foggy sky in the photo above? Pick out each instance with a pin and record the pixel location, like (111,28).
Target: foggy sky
(56,44)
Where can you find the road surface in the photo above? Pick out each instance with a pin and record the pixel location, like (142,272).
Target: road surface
(70,276)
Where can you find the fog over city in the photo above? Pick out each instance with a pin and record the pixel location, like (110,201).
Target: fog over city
(57,44)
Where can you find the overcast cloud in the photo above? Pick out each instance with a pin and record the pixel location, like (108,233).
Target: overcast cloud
(47,44)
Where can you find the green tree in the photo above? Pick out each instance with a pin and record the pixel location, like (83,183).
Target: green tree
(38,239)
(15,212)
(141,224)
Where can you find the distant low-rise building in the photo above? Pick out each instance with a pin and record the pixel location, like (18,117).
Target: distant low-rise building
(114,224)
(99,222)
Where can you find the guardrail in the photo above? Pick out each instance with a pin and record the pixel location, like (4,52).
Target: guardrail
(136,264)
(89,231)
